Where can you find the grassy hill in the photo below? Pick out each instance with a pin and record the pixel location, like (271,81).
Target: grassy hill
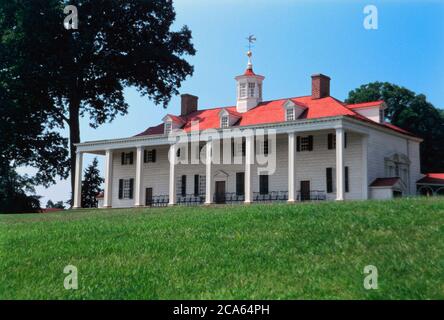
(279,251)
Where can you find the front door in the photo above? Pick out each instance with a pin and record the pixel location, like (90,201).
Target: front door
(220,191)
(305,190)
(148,196)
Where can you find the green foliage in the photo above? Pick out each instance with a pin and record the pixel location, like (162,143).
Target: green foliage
(279,251)
(413,113)
(91,185)
(14,189)
(68,74)
(57,205)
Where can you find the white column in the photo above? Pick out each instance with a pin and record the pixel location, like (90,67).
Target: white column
(78,181)
(107,197)
(364,164)
(291,167)
(339,164)
(139,178)
(208,174)
(172,184)
(249,159)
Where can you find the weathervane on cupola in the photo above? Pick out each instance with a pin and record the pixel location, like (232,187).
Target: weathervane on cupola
(251,39)
(249,85)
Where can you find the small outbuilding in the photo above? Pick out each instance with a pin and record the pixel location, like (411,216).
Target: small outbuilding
(432,184)
(387,188)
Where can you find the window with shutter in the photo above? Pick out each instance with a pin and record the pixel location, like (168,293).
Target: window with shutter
(150,155)
(184,186)
(329,178)
(131,157)
(240,183)
(126,189)
(131,188)
(346,180)
(304,143)
(196,185)
(127,158)
(263,184)
(120,188)
(331,141)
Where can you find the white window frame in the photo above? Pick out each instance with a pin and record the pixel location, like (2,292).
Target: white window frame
(224,121)
(289,114)
(168,127)
(242,90)
(251,89)
(126,189)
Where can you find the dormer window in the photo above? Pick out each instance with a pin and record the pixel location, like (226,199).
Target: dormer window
(224,122)
(293,110)
(290,114)
(227,118)
(168,127)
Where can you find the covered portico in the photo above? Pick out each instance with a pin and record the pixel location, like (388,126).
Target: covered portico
(337,126)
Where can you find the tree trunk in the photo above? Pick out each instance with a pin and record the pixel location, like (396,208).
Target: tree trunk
(74,137)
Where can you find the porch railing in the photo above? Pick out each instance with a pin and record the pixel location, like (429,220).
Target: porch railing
(190,200)
(314,195)
(272,196)
(159,201)
(233,198)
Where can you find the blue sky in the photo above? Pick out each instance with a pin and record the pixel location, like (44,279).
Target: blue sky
(294,40)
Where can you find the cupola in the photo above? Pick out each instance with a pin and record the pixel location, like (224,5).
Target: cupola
(249,88)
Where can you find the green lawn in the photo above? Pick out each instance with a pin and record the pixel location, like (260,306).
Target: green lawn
(279,251)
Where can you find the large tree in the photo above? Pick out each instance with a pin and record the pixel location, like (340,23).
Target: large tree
(83,72)
(413,113)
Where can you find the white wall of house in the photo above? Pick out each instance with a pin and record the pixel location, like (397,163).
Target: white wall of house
(382,145)
(309,165)
(371,113)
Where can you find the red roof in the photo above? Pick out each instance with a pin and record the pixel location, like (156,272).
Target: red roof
(272,112)
(432,178)
(365,104)
(249,72)
(384,182)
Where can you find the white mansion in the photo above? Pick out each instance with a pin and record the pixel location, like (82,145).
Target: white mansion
(312,147)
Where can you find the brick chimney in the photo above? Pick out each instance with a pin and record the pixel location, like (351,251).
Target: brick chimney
(188,104)
(320,86)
